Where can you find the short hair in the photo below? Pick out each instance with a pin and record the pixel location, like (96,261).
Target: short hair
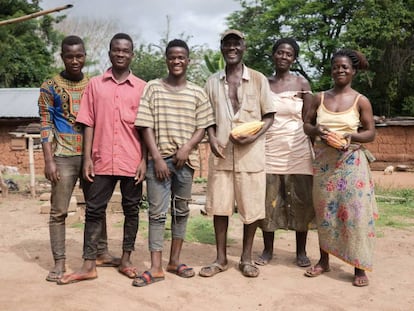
(358,60)
(177,43)
(72,40)
(292,42)
(121,35)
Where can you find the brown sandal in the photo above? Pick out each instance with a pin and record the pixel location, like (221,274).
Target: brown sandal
(248,269)
(316,271)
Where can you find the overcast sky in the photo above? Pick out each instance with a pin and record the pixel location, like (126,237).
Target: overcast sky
(203,20)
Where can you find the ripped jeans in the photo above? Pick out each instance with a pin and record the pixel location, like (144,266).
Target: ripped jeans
(175,193)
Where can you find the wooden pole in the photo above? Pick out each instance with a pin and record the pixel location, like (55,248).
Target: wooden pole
(32,168)
(34,15)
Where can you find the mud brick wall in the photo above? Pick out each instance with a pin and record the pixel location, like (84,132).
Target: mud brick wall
(393,145)
(18,158)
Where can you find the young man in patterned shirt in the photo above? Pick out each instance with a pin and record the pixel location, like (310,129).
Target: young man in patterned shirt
(59,103)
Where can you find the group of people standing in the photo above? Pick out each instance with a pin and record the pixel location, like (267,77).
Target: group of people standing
(117,127)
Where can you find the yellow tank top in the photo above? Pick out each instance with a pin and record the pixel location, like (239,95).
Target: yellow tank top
(342,122)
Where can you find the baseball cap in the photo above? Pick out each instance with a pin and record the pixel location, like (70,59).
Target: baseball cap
(232,32)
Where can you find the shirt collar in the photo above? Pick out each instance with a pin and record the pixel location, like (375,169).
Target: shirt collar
(245,75)
(109,75)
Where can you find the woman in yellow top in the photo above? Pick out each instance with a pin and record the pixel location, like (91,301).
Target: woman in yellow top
(343,191)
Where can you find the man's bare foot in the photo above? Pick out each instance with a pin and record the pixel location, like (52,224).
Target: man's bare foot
(77,277)
(107,260)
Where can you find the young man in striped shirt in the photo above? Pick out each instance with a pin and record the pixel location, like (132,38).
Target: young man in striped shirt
(172,118)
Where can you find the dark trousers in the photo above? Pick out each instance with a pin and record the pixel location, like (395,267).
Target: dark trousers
(70,170)
(99,192)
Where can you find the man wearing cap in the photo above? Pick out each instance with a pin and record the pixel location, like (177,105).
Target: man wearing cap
(236,175)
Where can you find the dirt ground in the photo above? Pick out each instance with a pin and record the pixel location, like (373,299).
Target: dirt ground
(25,259)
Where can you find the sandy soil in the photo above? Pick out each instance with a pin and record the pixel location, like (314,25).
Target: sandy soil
(25,257)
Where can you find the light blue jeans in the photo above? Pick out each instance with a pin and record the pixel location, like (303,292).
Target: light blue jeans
(175,193)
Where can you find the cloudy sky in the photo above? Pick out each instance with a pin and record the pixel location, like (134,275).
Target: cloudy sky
(202,20)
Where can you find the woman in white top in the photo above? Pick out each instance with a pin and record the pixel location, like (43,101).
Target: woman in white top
(288,156)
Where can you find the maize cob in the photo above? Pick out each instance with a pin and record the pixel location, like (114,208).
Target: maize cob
(248,128)
(336,140)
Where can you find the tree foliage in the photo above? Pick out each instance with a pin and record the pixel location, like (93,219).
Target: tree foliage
(149,63)
(26,47)
(381,29)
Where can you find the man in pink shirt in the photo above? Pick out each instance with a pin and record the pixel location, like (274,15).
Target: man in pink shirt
(112,152)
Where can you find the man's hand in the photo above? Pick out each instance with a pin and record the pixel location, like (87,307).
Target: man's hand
(140,172)
(88,171)
(51,171)
(243,139)
(161,169)
(181,157)
(216,148)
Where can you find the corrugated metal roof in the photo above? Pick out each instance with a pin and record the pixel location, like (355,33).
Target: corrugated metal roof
(19,102)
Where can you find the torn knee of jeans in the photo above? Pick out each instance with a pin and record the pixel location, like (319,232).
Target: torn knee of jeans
(180,203)
(158,217)
(179,206)
(178,198)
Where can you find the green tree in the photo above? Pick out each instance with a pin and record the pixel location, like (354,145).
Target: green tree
(384,30)
(381,29)
(148,63)
(214,62)
(27,47)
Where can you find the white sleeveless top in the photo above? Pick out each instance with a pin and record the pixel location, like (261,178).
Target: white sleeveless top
(288,148)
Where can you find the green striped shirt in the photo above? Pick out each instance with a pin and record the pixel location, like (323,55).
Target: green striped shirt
(174,116)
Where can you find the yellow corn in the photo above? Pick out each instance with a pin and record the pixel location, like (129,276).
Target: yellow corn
(248,128)
(336,140)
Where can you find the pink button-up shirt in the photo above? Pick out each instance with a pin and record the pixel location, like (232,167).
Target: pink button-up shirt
(110,108)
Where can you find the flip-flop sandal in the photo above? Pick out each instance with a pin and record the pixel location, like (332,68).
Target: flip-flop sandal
(316,271)
(130,271)
(145,279)
(74,278)
(248,269)
(54,276)
(303,262)
(212,269)
(360,281)
(262,261)
(183,271)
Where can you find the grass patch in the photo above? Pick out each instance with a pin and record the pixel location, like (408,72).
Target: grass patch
(200,180)
(200,229)
(78,225)
(396,208)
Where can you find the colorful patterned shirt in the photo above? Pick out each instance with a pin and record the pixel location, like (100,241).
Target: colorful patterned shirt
(59,103)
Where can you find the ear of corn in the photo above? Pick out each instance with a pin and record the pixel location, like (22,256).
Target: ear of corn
(336,140)
(248,128)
